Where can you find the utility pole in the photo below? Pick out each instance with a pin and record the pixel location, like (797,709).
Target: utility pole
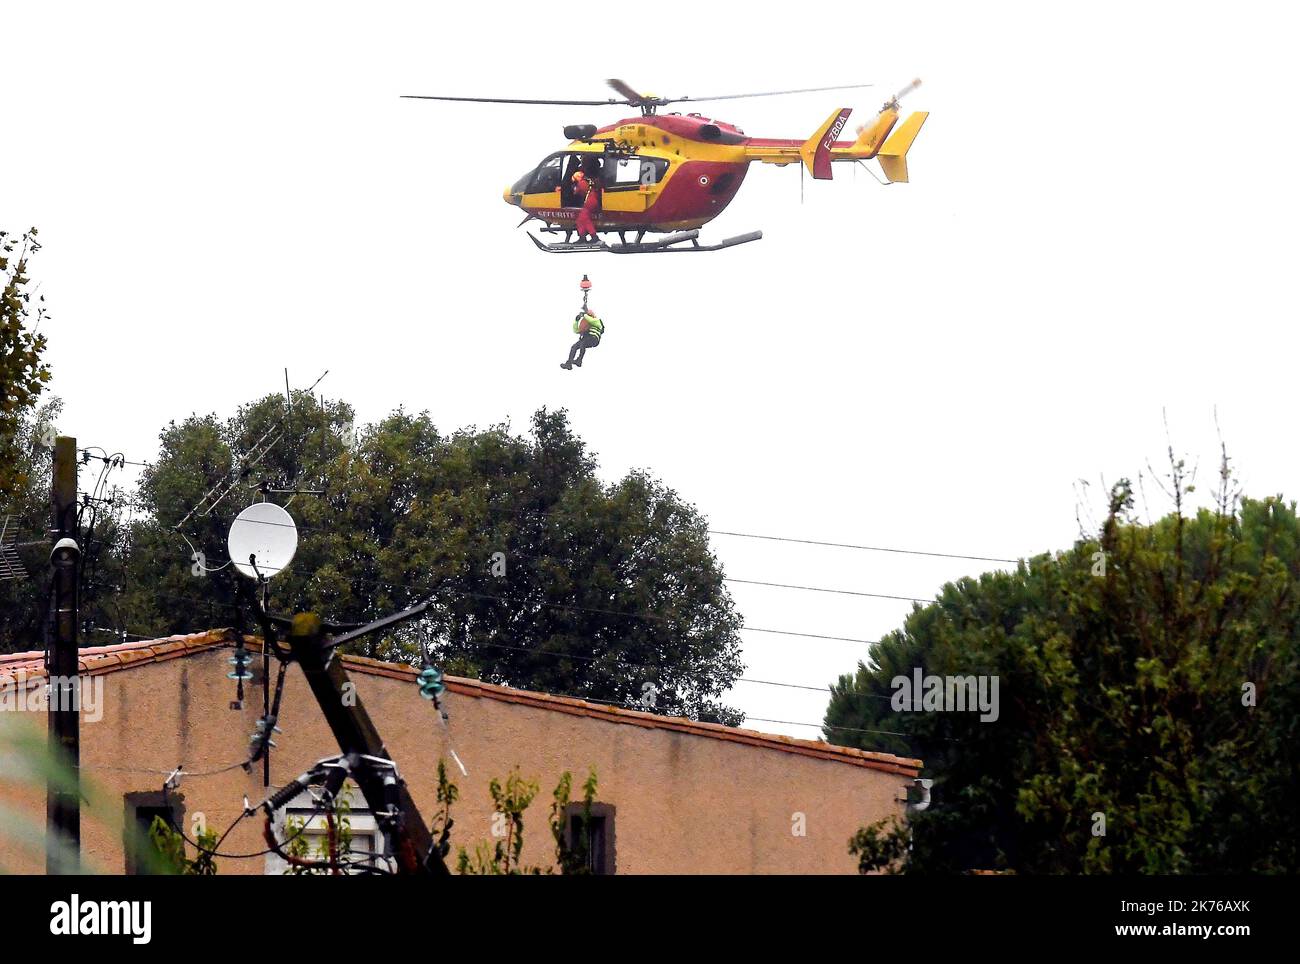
(63,791)
(356,734)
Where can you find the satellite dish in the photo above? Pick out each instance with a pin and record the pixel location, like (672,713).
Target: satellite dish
(268,534)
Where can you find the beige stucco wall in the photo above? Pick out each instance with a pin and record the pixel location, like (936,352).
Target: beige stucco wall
(684,803)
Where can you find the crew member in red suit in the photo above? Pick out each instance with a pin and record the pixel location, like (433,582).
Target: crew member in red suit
(587,187)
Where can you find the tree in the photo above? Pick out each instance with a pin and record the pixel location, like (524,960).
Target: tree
(172,575)
(544,577)
(572,850)
(100,512)
(1149,688)
(27,511)
(333,850)
(169,851)
(503,857)
(22,373)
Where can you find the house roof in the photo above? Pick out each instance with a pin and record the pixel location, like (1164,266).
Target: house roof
(99,660)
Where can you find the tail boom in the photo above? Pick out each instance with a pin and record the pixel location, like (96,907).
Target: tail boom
(883,138)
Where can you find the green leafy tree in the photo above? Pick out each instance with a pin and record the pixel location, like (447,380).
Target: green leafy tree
(543,576)
(448,793)
(26,514)
(174,576)
(297,846)
(881,846)
(1149,678)
(25,439)
(22,372)
(511,799)
(333,852)
(102,536)
(572,856)
(169,851)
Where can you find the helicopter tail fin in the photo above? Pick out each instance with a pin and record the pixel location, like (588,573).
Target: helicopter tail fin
(816,151)
(893,156)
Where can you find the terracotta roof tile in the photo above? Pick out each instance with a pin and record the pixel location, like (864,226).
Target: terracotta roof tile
(96,660)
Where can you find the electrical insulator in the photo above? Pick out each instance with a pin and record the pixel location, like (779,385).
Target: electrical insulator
(431,684)
(240,661)
(262,735)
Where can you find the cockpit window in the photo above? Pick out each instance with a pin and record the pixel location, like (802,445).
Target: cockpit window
(547,176)
(543,179)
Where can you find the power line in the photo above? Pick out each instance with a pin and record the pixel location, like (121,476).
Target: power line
(786,632)
(116,457)
(845,545)
(811,542)
(761,719)
(841,592)
(649,617)
(730,579)
(575,656)
(423,591)
(211,606)
(726,578)
(827,726)
(543,513)
(121,634)
(631,665)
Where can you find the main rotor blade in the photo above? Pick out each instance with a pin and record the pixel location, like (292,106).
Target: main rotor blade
(770,93)
(627,90)
(516,100)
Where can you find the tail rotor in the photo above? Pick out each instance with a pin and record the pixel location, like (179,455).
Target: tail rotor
(892,103)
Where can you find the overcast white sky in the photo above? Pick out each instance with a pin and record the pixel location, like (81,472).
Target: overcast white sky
(1100,224)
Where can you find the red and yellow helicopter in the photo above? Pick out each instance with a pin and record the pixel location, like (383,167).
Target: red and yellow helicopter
(673,173)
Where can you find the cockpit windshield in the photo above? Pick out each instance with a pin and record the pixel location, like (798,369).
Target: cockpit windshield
(544,179)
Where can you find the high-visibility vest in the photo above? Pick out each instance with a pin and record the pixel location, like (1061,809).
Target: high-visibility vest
(594,325)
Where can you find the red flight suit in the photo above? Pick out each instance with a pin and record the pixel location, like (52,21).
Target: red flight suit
(590,191)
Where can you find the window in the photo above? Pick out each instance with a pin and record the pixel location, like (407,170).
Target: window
(140,811)
(547,177)
(367,839)
(599,837)
(633,172)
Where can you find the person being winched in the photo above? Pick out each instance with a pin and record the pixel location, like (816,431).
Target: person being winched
(589,329)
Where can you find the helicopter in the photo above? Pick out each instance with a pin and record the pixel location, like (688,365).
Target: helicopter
(670,174)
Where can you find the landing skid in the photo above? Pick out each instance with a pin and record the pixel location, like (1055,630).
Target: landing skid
(670,243)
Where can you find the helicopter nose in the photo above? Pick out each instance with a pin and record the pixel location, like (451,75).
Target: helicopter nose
(509,197)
